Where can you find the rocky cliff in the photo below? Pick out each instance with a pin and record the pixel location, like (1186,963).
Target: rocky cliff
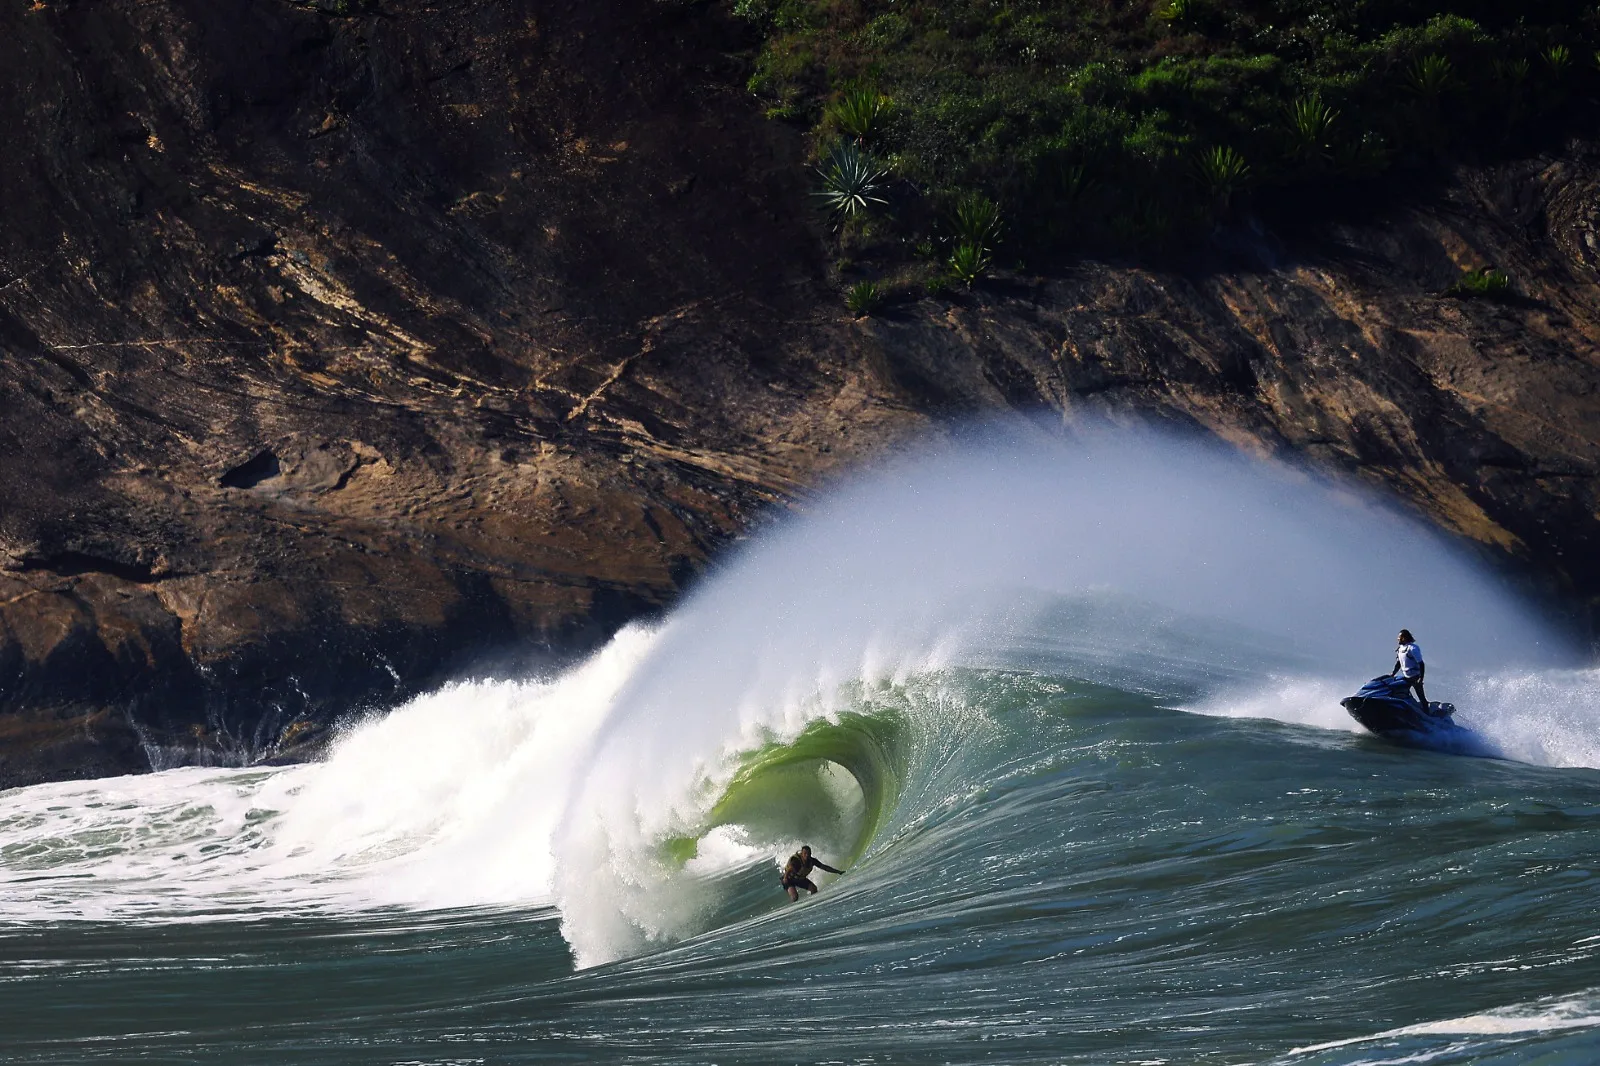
(346,345)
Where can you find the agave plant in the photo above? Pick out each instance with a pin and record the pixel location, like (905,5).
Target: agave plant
(852,181)
(1559,59)
(1310,125)
(1432,77)
(1488,283)
(1513,73)
(859,114)
(1178,11)
(1363,157)
(968,263)
(1145,223)
(976,221)
(863,298)
(1222,173)
(1074,183)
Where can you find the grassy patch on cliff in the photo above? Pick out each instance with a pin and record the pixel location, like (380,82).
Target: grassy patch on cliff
(1126,126)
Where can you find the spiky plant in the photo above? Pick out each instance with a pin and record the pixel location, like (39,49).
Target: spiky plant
(1559,59)
(859,114)
(976,221)
(1074,183)
(968,263)
(1486,283)
(863,298)
(1310,127)
(1431,77)
(1149,224)
(1222,174)
(1179,11)
(1513,73)
(852,182)
(1362,157)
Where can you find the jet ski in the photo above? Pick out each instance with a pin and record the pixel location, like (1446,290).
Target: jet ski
(1385,707)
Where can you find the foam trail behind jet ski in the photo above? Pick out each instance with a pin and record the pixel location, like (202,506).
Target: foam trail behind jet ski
(1545,717)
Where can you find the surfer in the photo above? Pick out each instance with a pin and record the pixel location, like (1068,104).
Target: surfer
(796,872)
(1409,665)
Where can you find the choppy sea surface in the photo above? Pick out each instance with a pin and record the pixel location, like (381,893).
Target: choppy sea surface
(1068,720)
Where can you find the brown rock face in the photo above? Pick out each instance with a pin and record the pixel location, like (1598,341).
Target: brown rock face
(341,351)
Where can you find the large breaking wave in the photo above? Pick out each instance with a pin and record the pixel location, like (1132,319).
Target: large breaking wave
(849,679)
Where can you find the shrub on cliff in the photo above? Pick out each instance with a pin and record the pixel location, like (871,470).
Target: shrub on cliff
(976,221)
(969,262)
(1087,119)
(1312,131)
(1485,283)
(863,298)
(852,182)
(1222,174)
(859,114)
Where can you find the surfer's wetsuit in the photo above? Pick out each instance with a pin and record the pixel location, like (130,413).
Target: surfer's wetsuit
(1408,664)
(795,872)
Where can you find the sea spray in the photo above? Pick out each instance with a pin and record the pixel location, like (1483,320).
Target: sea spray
(919,567)
(1549,716)
(451,799)
(447,800)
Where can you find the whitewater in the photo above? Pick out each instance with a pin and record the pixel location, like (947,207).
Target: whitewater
(1065,710)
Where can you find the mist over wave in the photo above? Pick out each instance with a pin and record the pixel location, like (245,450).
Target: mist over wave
(1548,717)
(918,567)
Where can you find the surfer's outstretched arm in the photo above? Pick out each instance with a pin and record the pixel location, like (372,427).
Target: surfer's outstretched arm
(825,866)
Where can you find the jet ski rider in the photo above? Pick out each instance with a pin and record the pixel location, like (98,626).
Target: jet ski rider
(1409,665)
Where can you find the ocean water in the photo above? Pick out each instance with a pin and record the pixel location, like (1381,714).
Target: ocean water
(1066,714)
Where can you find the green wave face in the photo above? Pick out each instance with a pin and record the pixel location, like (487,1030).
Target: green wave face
(833,785)
(843,779)
(838,780)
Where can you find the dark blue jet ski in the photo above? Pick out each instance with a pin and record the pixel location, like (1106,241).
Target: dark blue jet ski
(1385,706)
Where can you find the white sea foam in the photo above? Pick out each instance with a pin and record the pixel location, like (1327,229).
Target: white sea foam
(448,800)
(1550,1015)
(1547,717)
(1312,701)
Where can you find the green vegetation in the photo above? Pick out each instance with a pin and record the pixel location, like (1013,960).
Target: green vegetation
(1222,173)
(863,298)
(968,263)
(976,221)
(1134,126)
(1312,132)
(852,182)
(859,114)
(1486,283)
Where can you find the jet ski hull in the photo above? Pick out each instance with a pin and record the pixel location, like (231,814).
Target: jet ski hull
(1383,706)
(1383,717)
